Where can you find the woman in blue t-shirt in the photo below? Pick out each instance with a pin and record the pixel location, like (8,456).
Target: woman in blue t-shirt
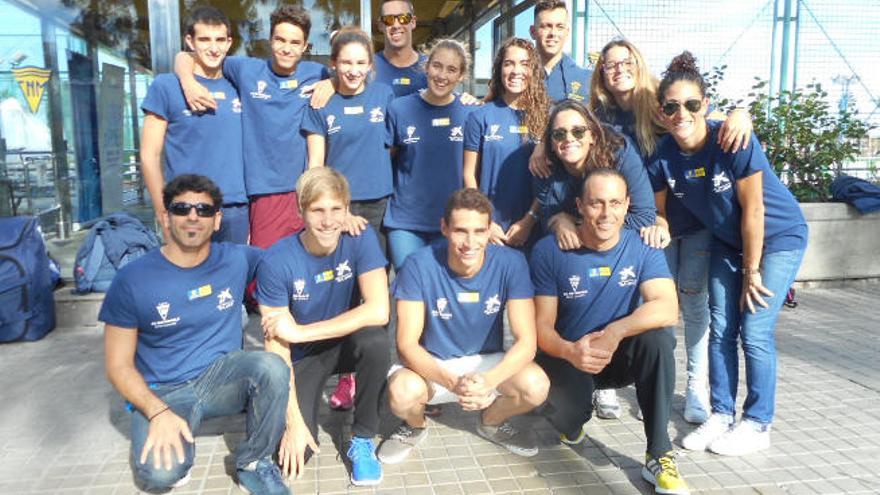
(427,144)
(759,238)
(500,137)
(576,142)
(349,134)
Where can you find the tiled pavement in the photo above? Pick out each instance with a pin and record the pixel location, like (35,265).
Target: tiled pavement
(63,429)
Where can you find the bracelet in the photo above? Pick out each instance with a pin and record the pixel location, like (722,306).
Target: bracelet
(533,215)
(158,413)
(751,271)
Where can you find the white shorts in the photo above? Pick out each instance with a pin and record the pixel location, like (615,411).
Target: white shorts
(479,363)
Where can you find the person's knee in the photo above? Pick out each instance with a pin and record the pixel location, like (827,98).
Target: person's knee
(532,385)
(271,370)
(372,344)
(658,343)
(405,390)
(152,479)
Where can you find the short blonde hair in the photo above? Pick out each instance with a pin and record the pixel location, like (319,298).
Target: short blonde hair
(318,181)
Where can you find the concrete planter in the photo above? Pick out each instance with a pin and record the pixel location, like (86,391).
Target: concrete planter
(844,244)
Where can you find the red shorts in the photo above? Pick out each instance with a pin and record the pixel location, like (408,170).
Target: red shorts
(274,216)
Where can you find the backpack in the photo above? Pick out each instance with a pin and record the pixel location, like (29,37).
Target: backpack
(27,303)
(113,242)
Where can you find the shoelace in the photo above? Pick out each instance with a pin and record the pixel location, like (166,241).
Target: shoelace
(507,429)
(360,449)
(667,465)
(403,432)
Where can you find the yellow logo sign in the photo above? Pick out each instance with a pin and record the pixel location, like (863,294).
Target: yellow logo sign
(32,81)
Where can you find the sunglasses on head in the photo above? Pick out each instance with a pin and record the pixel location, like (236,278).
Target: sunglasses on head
(692,106)
(577,132)
(182,209)
(402,19)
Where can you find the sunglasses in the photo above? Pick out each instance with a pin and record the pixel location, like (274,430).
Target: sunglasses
(182,209)
(402,19)
(692,106)
(577,132)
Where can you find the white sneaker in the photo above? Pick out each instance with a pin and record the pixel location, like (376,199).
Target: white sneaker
(746,438)
(696,401)
(605,403)
(714,427)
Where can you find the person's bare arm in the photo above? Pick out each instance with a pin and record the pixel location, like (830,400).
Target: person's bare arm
(316,145)
(471,169)
(750,194)
(166,428)
(321,92)
(657,235)
(198,97)
(373,311)
(152,142)
(410,325)
(521,315)
(518,232)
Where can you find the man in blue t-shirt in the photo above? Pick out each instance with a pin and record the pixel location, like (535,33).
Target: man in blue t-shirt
(206,143)
(173,342)
(305,286)
(399,65)
(565,79)
(600,312)
(274,97)
(451,298)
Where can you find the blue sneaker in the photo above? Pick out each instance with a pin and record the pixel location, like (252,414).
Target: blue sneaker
(262,479)
(365,467)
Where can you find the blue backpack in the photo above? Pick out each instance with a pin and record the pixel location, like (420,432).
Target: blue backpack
(27,303)
(113,242)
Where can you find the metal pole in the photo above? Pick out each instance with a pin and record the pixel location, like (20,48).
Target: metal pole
(135,127)
(472,43)
(366,16)
(786,36)
(797,44)
(60,169)
(772,88)
(164,18)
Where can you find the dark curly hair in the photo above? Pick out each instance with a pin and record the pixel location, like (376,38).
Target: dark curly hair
(534,102)
(606,141)
(682,68)
(191,183)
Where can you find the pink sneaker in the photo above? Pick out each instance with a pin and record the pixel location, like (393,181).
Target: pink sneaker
(343,397)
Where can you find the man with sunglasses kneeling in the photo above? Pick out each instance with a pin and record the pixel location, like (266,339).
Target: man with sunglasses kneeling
(173,344)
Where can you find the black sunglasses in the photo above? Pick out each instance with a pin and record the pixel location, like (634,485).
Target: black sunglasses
(389,19)
(577,132)
(182,209)
(692,106)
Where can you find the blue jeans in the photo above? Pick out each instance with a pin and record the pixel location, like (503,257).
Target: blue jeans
(235,225)
(688,259)
(757,331)
(254,380)
(403,242)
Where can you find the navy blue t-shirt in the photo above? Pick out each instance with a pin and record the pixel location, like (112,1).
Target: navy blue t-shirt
(428,164)
(706,182)
(557,193)
(681,221)
(315,288)
(568,81)
(496,132)
(357,139)
(206,143)
(402,80)
(272,110)
(463,316)
(186,318)
(594,288)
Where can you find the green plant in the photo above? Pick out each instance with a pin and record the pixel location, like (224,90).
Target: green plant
(805,142)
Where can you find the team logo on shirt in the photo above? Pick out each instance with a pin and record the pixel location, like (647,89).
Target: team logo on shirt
(493,133)
(442,310)
(575,90)
(401,81)
(325,276)
(410,135)
(600,271)
(518,129)
(493,305)
(260,93)
(456,134)
(289,84)
(219,95)
(186,112)
(236,105)
(695,173)
(377,115)
(576,292)
(468,297)
(441,122)
(627,276)
(299,290)
(720,183)
(671,183)
(163,308)
(225,299)
(331,128)
(343,271)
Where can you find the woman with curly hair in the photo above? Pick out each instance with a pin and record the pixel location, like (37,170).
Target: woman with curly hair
(759,237)
(500,137)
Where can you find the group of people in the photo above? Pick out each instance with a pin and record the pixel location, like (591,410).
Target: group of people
(586,206)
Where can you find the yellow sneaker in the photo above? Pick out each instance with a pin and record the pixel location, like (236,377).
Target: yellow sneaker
(663,474)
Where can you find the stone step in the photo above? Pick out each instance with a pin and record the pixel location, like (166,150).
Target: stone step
(76,310)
